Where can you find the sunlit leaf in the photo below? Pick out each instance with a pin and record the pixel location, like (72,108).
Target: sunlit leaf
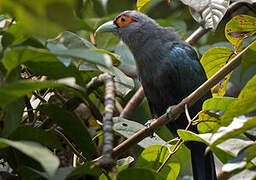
(213,60)
(141,3)
(239,125)
(243,158)
(153,156)
(238,28)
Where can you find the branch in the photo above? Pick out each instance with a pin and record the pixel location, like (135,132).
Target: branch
(139,95)
(107,161)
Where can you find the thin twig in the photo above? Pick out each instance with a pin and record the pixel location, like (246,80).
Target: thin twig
(70,145)
(179,142)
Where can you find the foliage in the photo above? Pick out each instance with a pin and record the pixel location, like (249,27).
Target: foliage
(50,116)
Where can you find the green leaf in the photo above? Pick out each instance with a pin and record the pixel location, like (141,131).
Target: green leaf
(44,17)
(239,125)
(127,128)
(243,158)
(139,173)
(18,56)
(13,35)
(213,60)
(153,156)
(28,133)
(36,151)
(13,116)
(245,103)
(141,3)
(248,58)
(74,128)
(245,174)
(9,93)
(219,103)
(209,119)
(238,28)
(219,151)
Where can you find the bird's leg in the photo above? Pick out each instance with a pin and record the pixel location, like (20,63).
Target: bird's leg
(169,114)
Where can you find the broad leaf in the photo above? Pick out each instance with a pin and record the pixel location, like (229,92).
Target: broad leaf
(213,60)
(208,12)
(36,151)
(153,156)
(13,116)
(239,125)
(9,93)
(128,128)
(41,136)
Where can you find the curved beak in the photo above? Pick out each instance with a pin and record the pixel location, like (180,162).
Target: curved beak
(106,27)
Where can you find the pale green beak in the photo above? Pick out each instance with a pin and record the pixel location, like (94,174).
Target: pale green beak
(106,27)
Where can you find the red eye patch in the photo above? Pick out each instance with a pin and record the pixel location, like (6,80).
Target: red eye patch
(123,21)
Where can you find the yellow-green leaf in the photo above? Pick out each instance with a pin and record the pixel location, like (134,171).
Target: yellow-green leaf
(238,28)
(213,60)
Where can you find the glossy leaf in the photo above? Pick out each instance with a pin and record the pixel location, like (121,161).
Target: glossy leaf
(36,151)
(243,158)
(239,125)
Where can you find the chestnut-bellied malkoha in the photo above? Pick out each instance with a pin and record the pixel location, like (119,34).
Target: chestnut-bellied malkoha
(169,70)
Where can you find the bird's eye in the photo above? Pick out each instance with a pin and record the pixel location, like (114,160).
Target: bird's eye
(123,21)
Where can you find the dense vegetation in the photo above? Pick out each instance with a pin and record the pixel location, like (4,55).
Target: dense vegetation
(56,78)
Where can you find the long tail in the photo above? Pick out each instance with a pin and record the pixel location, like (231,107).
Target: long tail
(202,164)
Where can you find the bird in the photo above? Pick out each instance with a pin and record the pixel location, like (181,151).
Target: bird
(169,70)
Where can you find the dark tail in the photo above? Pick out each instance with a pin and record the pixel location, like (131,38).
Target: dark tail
(202,164)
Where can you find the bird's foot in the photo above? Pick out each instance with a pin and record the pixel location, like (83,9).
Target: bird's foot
(147,124)
(169,114)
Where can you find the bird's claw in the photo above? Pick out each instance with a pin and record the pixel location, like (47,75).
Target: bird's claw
(147,124)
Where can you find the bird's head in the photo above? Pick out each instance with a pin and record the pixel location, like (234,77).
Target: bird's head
(130,26)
